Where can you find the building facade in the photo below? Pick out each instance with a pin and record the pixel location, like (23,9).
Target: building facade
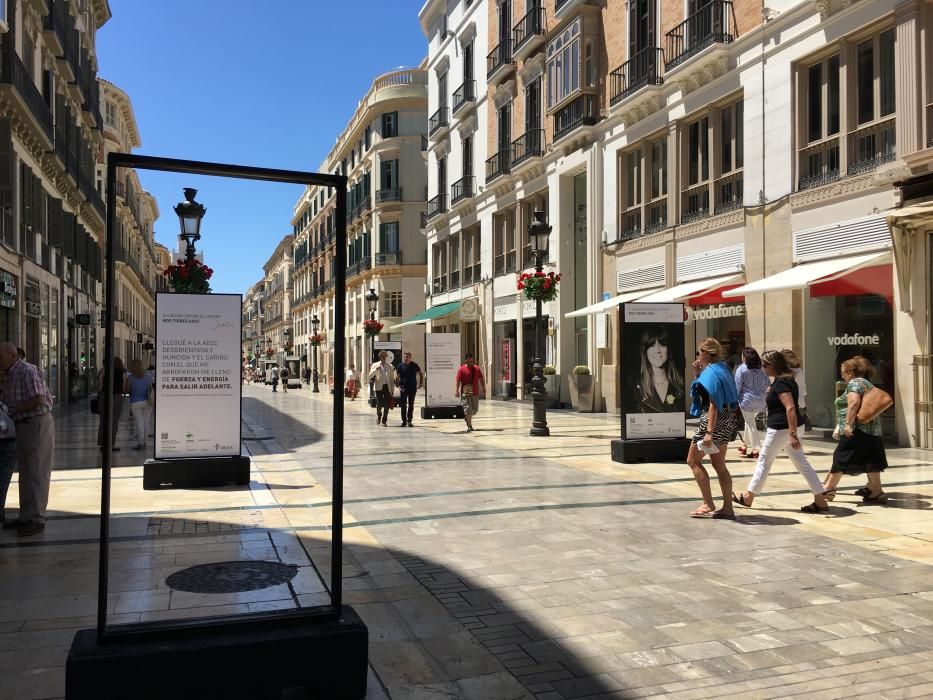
(277,303)
(51,209)
(252,324)
(636,122)
(137,261)
(381,151)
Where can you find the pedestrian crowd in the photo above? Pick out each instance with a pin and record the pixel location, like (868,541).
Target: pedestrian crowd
(772,384)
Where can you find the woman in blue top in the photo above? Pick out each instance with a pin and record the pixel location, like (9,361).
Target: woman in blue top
(138,384)
(752,384)
(715,400)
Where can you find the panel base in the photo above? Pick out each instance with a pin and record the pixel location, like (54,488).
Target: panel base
(440,412)
(195,472)
(657,450)
(252,661)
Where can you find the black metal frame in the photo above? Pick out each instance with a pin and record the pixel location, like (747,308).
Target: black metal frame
(191,167)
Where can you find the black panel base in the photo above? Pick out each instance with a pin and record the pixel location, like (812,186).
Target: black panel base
(195,472)
(657,450)
(431,412)
(252,661)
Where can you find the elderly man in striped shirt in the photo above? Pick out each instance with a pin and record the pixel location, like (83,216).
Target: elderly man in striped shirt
(30,405)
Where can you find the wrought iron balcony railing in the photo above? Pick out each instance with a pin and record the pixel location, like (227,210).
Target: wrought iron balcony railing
(499,57)
(499,164)
(438,120)
(644,68)
(464,95)
(528,145)
(462,189)
(437,205)
(713,23)
(388,194)
(528,27)
(583,111)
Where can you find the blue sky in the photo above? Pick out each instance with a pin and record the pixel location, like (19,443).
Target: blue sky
(269,84)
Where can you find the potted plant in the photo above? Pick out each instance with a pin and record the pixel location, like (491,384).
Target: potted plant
(316,340)
(371,327)
(581,389)
(552,384)
(539,285)
(189,277)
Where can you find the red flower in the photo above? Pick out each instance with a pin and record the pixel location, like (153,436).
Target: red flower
(521,286)
(547,284)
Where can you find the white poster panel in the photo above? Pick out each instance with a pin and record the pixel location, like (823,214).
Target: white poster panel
(651,373)
(442,360)
(197,375)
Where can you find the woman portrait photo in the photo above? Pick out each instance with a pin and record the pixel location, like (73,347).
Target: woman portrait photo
(657,384)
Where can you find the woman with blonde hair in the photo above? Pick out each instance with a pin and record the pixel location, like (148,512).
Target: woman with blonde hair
(861,446)
(715,401)
(138,385)
(781,401)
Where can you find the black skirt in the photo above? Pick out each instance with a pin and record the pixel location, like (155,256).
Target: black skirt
(859,454)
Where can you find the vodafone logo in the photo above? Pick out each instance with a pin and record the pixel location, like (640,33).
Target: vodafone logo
(847,339)
(711,312)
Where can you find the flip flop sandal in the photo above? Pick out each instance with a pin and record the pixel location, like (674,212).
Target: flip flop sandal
(813,508)
(880,498)
(723,516)
(740,499)
(864,491)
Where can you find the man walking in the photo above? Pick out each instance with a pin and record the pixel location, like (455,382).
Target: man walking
(381,374)
(30,405)
(275,378)
(283,375)
(470,386)
(409,379)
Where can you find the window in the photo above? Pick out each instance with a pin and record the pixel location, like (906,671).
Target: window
(389,124)
(728,187)
(367,137)
(471,264)
(388,237)
(467,147)
(643,189)
(453,260)
(388,175)
(563,64)
(442,92)
(439,268)
(504,241)
(392,304)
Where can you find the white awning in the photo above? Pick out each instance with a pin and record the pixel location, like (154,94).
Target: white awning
(686,290)
(904,215)
(609,304)
(804,275)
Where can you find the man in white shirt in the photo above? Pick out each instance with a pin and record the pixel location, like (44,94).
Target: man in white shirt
(382,375)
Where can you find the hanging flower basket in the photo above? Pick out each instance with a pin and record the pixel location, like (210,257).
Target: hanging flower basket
(539,286)
(371,328)
(189,277)
(270,352)
(316,340)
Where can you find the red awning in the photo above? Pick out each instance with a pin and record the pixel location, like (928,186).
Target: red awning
(714,296)
(877,279)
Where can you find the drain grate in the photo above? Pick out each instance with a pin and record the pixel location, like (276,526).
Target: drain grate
(231,577)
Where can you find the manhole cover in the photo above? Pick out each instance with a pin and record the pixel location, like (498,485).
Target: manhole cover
(231,577)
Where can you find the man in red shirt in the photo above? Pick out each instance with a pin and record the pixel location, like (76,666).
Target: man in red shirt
(470,386)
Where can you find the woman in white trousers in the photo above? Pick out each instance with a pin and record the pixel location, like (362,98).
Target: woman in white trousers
(781,401)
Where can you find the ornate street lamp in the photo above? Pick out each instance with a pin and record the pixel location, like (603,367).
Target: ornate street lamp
(539,234)
(315,322)
(190,214)
(372,298)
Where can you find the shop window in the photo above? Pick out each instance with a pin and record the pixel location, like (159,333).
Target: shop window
(453,261)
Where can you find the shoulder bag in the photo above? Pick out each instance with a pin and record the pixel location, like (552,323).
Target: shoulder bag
(875,401)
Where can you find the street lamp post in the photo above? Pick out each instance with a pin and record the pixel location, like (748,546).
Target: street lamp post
(372,298)
(315,322)
(190,214)
(539,234)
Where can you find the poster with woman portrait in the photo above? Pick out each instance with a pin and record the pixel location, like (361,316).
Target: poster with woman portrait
(652,371)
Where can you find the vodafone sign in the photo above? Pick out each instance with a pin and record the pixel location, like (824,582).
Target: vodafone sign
(712,312)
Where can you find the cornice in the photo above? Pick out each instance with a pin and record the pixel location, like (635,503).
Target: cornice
(838,189)
(710,223)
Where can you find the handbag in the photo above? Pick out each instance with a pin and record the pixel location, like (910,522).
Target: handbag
(875,401)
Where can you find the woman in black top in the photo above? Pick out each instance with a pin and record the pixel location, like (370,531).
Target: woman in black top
(781,401)
(116,391)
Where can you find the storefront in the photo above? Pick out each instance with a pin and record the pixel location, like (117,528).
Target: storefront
(505,335)
(8,294)
(848,316)
(712,316)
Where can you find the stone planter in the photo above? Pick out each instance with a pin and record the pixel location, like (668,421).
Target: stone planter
(552,384)
(581,392)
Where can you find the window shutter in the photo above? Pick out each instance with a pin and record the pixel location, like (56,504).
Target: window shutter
(7,161)
(68,234)
(55,222)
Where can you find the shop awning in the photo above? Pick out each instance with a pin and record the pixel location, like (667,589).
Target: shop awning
(686,290)
(431,314)
(804,275)
(904,223)
(609,304)
(915,213)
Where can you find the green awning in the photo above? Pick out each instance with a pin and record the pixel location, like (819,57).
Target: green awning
(431,314)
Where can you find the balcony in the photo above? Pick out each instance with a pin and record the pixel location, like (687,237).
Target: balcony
(392,257)
(583,111)
(439,120)
(499,164)
(356,268)
(424,219)
(728,192)
(462,189)
(631,224)
(436,206)
(819,164)
(655,216)
(712,24)
(499,62)
(53,27)
(643,69)
(388,194)
(14,73)
(871,146)
(528,145)
(529,33)
(464,95)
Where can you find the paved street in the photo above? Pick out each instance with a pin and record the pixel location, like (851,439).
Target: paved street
(494,565)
